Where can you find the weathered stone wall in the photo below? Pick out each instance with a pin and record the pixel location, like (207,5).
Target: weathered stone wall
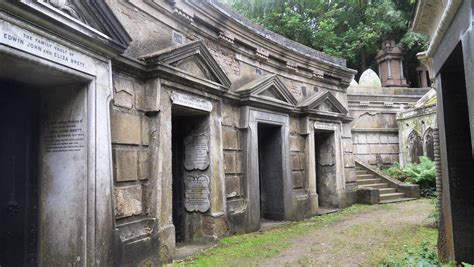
(375,129)
(297,150)
(416,133)
(141,136)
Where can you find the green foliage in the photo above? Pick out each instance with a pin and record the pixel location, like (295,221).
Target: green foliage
(396,172)
(425,255)
(350,29)
(422,174)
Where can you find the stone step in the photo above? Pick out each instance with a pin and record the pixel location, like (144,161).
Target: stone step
(378,185)
(361,172)
(387,190)
(365,176)
(397,200)
(391,196)
(369,181)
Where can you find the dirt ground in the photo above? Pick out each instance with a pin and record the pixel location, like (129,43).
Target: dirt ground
(361,235)
(356,240)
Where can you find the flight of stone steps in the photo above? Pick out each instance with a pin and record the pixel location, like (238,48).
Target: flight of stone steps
(366,178)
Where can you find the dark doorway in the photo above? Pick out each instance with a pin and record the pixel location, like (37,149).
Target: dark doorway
(325,167)
(18,175)
(415,147)
(184,124)
(459,154)
(270,172)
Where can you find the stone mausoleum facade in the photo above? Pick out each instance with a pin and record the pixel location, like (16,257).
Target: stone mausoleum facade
(137,126)
(450,62)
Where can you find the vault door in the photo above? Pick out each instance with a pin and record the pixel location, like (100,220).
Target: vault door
(270,172)
(190,162)
(18,182)
(459,153)
(325,168)
(178,182)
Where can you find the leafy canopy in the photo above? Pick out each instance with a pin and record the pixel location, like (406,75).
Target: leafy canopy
(350,29)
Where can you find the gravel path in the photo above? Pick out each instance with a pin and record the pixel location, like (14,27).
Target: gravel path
(352,241)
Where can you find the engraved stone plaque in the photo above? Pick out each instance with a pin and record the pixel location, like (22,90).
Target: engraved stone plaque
(197,193)
(196,152)
(35,44)
(191,102)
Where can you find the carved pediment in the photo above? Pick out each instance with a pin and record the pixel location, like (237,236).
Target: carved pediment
(269,89)
(193,59)
(94,13)
(325,102)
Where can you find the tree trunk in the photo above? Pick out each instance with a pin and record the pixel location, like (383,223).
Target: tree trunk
(363,60)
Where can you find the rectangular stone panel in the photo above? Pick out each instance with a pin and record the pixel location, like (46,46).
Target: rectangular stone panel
(128,201)
(233,186)
(295,162)
(348,160)
(230,138)
(361,149)
(125,165)
(145,134)
(126,128)
(229,161)
(63,173)
(393,139)
(373,138)
(143,165)
(227,115)
(298,181)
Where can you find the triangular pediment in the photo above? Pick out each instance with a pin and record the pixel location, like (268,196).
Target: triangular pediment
(193,59)
(267,89)
(272,92)
(197,67)
(323,102)
(95,14)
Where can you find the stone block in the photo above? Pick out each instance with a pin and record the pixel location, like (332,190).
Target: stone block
(230,138)
(393,139)
(373,138)
(128,201)
(383,138)
(123,92)
(233,186)
(298,180)
(347,145)
(383,149)
(295,162)
(348,160)
(140,98)
(125,128)
(350,174)
(123,99)
(296,143)
(302,160)
(145,131)
(143,165)
(229,162)
(294,125)
(362,138)
(227,115)
(125,165)
(361,149)
(236,116)
(238,162)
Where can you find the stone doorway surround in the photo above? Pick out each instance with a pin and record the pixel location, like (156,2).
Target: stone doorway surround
(59,56)
(338,184)
(251,117)
(90,219)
